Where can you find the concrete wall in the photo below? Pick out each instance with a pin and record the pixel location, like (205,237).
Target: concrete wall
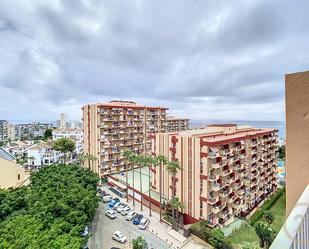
(297,136)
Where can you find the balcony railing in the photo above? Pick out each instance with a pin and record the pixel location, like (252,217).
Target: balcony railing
(294,233)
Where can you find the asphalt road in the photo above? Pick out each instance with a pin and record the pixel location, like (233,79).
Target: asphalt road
(102,229)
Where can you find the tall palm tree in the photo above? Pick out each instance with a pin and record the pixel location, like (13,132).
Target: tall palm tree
(172,168)
(151,161)
(133,158)
(141,161)
(162,160)
(127,154)
(81,158)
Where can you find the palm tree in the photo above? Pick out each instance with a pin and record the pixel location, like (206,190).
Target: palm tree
(176,204)
(162,161)
(140,162)
(151,161)
(133,159)
(172,168)
(127,154)
(81,158)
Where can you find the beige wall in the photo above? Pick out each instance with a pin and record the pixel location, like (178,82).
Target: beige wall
(297,136)
(9,174)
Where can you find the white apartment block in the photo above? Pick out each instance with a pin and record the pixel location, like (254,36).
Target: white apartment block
(75,133)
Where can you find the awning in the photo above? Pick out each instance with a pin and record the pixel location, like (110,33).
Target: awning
(214,149)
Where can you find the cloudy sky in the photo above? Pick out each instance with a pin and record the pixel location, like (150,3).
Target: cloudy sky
(203,59)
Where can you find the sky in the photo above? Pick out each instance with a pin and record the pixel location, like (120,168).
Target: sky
(222,60)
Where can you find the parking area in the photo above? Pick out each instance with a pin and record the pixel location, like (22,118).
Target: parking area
(103,228)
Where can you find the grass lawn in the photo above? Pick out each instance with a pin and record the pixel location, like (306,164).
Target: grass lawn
(246,234)
(278,209)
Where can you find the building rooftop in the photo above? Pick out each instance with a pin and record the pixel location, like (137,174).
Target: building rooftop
(176,118)
(5,155)
(62,129)
(127,104)
(224,133)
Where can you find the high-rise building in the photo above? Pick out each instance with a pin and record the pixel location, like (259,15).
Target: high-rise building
(174,124)
(3,130)
(11,132)
(226,170)
(63,120)
(113,127)
(297,136)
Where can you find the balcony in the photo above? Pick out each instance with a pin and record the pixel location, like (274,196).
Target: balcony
(216,186)
(294,233)
(212,177)
(217,209)
(212,199)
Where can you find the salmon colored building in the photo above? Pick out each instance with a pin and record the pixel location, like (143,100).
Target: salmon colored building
(174,124)
(226,170)
(111,128)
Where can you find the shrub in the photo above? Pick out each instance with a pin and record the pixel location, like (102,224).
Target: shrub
(266,206)
(214,237)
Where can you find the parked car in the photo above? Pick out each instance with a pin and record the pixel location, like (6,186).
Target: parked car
(110,214)
(112,203)
(125,210)
(118,192)
(107,198)
(137,219)
(117,205)
(121,206)
(85,232)
(131,215)
(144,223)
(119,236)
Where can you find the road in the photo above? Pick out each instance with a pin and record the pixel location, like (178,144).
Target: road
(102,229)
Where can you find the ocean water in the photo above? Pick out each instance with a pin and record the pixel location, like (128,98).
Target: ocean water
(279,125)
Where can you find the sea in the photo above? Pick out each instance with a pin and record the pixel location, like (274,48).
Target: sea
(279,125)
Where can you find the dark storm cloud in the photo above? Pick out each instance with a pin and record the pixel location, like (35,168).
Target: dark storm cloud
(197,57)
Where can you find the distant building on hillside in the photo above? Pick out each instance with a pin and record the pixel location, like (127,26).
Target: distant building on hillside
(31,130)
(11,175)
(3,130)
(174,124)
(11,132)
(68,133)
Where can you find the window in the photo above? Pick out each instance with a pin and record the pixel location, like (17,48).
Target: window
(18,177)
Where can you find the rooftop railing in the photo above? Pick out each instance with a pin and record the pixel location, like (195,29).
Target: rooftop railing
(295,232)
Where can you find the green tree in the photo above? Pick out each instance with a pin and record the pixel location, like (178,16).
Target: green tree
(265,234)
(48,134)
(161,161)
(268,216)
(127,154)
(282,152)
(64,145)
(138,243)
(51,212)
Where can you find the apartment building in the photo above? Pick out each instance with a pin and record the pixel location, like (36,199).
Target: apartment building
(113,127)
(75,133)
(31,130)
(174,124)
(3,130)
(43,154)
(11,175)
(226,170)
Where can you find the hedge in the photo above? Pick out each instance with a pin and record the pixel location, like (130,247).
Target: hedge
(266,206)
